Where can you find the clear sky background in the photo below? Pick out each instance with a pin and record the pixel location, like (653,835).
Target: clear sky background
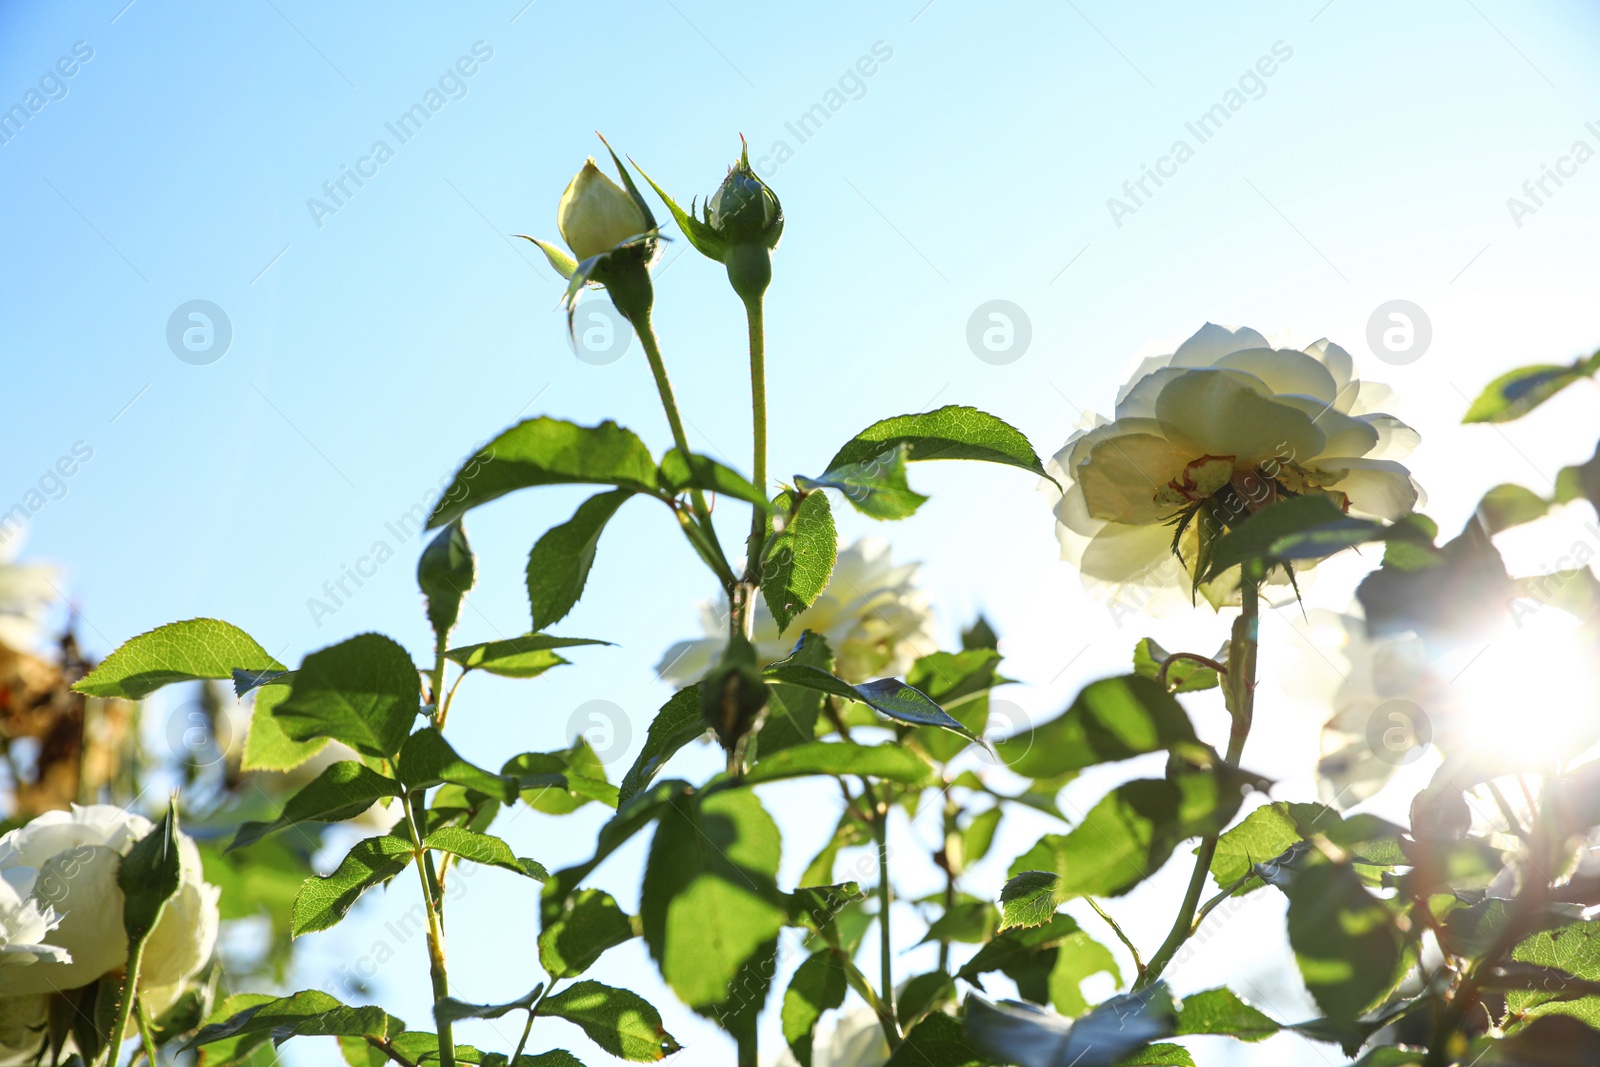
(374,347)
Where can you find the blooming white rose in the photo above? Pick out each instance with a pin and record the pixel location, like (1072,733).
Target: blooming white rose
(27,590)
(23,927)
(68,862)
(596,214)
(857,1041)
(875,618)
(1220,428)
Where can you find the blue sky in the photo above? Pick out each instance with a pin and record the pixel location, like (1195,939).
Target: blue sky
(372,348)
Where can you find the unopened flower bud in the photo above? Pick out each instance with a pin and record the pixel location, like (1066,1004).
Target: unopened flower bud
(733,694)
(596,214)
(1440,813)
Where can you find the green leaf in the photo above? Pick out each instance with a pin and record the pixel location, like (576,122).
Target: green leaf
(960,683)
(559,783)
(1270,830)
(177,652)
(485,849)
(342,791)
(1509,505)
(703,472)
(876,485)
(818,986)
(558,566)
(888,761)
(947,433)
(546,451)
(1028,899)
(792,710)
(1220,1011)
(1302,527)
(1517,392)
(1161,1054)
(937,1041)
(619,1021)
(427,759)
(444,574)
(309,1012)
(1029,1036)
(1109,720)
(1183,676)
(364,692)
(675,725)
(1573,949)
(978,836)
(1351,954)
(527,656)
(452,1010)
(922,994)
(148,877)
(971,922)
(1132,831)
(323,901)
(709,899)
(1016,945)
(590,924)
(1078,957)
(633,815)
(266,746)
(237,1049)
(890,696)
(799,559)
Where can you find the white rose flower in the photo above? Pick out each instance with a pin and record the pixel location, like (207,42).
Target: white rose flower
(875,618)
(1223,427)
(68,862)
(22,1029)
(857,1041)
(23,926)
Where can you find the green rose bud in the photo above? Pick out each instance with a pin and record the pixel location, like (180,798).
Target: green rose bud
(733,694)
(738,227)
(596,215)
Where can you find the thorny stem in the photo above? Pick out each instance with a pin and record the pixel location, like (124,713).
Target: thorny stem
(1239,693)
(130,993)
(436,955)
(145,1033)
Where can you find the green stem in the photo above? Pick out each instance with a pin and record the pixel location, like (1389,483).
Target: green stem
(658,367)
(533,1013)
(130,992)
(952,813)
(880,832)
(1239,693)
(1138,964)
(145,1033)
(760,521)
(436,956)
